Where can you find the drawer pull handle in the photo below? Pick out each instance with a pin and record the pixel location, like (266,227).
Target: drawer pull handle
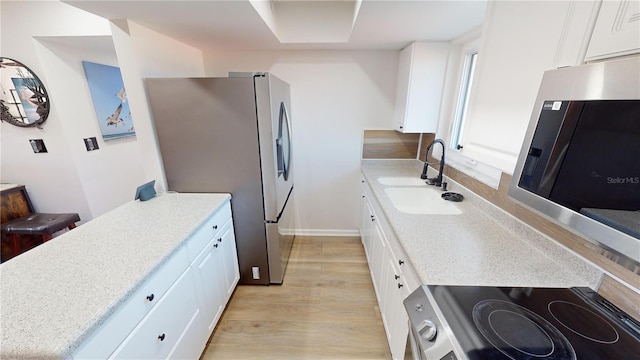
(400,286)
(161,337)
(150,297)
(215,245)
(400,262)
(215,227)
(397,277)
(219,239)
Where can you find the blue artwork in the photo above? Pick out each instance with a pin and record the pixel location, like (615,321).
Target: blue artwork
(109,100)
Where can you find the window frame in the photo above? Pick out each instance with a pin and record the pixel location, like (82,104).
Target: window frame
(468,60)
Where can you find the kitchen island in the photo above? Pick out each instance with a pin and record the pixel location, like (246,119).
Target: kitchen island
(482,246)
(57,296)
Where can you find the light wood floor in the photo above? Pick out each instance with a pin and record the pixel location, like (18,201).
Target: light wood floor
(326,309)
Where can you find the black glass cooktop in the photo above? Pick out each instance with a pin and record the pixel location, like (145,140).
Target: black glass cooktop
(537,323)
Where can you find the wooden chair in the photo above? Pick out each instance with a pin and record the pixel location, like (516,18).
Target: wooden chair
(20,219)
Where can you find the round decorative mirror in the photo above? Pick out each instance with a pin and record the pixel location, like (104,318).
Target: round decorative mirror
(23,99)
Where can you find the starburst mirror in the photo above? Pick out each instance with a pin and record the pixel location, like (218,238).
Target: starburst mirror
(23,99)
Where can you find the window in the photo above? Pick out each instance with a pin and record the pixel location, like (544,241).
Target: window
(470,53)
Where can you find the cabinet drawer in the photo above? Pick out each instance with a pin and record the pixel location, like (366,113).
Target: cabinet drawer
(106,338)
(163,327)
(208,230)
(409,278)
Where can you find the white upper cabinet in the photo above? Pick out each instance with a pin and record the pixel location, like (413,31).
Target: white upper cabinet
(617,30)
(421,74)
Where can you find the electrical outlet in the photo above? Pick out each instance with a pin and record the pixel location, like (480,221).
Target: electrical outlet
(256,273)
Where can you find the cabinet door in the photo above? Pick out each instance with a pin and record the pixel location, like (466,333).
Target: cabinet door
(377,264)
(385,302)
(617,30)
(162,329)
(209,275)
(366,226)
(421,74)
(392,309)
(400,325)
(229,260)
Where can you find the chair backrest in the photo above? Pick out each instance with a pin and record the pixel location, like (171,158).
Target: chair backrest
(15,203)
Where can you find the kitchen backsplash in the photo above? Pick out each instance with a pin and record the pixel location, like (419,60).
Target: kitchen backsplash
(390,144)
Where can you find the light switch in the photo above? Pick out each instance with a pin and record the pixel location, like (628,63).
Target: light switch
(38,146)
(91,144)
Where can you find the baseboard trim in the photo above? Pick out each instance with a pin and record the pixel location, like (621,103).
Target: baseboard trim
(326,232)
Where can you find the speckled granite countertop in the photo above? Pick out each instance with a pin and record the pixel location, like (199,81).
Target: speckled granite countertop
(482,246)
(55,295)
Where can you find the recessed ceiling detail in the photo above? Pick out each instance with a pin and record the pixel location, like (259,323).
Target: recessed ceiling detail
(215,25)
(309,22)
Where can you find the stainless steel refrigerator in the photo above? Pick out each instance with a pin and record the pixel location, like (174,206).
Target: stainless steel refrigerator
(233,135)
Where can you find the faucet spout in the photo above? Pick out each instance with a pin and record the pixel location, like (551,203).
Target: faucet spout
(437,181)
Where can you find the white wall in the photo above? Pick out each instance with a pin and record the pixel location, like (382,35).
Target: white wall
(53,43)
(334,96)
(51,178)
(110,174)
(520,40)
(144,53)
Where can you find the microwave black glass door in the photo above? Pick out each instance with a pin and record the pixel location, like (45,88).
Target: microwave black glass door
(586,154)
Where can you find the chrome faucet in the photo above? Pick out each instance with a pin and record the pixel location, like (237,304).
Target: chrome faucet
(437,181)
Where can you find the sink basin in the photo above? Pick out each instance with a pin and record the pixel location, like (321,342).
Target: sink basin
(421,200)
(401,181)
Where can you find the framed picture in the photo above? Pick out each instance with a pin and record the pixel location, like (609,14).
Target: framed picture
(109,100)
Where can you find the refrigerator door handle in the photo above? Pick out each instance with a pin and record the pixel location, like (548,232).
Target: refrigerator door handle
(283,142)
(281,210)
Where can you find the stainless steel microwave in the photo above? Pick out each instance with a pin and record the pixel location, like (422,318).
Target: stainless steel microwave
(580,160)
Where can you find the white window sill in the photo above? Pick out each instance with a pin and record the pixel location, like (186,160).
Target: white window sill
(482,172)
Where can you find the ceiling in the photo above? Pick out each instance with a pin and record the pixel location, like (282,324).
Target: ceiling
(300,24)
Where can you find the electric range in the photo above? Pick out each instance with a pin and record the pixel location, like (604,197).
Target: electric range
(487,323)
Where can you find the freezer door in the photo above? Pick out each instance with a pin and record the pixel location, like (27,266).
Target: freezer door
(280,238)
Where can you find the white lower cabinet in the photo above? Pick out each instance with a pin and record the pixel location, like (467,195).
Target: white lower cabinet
(366,226)
(159,332)
(174,312)
(374,244)
(392,309)
(229,261)
(208,270)
(393,278)
(216,264)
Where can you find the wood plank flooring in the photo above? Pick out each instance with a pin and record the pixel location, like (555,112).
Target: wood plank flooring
(326,309)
